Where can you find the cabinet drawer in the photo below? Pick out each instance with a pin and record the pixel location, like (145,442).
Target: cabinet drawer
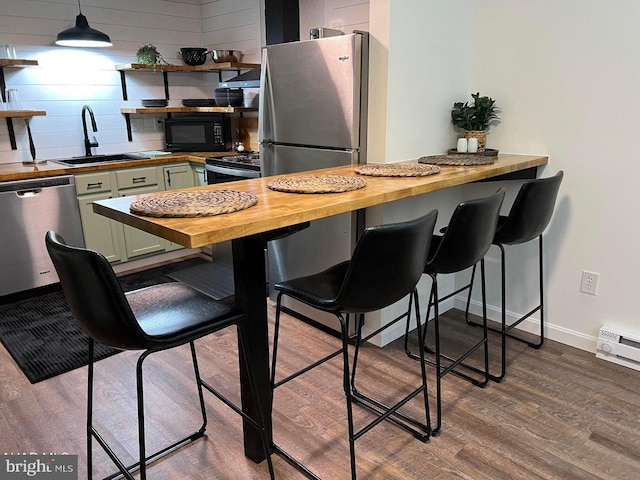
(136,177)
(93,183)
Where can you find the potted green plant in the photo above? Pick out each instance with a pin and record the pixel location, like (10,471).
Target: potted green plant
(149,55)
(475,118)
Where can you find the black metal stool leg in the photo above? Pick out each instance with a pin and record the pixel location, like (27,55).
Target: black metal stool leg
(141,435)
(196,370)
(90,410)
(346,384)
(421,431)
(436,324)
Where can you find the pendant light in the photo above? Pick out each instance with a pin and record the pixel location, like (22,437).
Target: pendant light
(82,35)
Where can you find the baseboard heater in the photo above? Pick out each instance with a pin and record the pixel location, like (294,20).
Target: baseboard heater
(619,347)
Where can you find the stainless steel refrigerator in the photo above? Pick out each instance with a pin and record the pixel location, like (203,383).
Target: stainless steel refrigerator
(313,114)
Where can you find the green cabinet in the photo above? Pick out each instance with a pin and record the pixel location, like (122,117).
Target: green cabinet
(116,241)
(100,233)
(199,175)
(176,176)
(138,181)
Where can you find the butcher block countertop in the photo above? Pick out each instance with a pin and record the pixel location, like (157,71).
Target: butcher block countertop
(277,209)
(20,171)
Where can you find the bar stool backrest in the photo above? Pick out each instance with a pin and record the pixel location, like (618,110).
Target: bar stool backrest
(94,295)
(468,236)
(386,264)
(531,211)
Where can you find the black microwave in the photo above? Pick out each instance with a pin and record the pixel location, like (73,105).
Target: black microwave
(206,133)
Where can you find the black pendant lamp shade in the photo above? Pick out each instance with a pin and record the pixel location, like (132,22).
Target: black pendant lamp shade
(82,35)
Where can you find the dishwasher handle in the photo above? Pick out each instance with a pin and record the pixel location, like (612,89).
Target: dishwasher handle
(34,192)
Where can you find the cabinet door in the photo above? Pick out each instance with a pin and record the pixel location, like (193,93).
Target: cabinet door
(176,176)
(136,241)
(136,177)
(200,175)
(100,233)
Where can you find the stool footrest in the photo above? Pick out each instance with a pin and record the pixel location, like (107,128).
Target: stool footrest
(299,466)
(422,432)
(148,460)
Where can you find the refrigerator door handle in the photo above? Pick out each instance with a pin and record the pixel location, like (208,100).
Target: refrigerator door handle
(264,102)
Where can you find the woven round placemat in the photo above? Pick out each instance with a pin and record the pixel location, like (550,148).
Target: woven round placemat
(193,204)
(458,160)
(397,170)
(316,184)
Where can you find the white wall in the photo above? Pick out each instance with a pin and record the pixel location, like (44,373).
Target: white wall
(233,25)
(566,75)
(415,78)
(68,78)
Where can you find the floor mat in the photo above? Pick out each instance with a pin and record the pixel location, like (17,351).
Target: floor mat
(210,278)
(41,335)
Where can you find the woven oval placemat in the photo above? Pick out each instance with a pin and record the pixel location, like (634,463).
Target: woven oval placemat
(397,169)
(193,204)
(316,184)
(458,160)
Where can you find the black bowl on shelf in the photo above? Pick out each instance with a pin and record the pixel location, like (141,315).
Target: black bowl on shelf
(193,56)
(154,102)
(199,102)
(229,97)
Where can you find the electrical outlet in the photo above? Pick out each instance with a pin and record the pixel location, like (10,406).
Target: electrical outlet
(589,283)
(149,123)
(137,125)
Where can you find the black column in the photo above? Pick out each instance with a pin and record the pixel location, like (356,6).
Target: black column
(282,21)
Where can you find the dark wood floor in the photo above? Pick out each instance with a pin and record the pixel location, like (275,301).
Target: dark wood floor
(561,413)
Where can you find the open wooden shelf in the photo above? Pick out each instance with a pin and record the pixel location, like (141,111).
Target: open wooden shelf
(22,113)
(207,67)
(143,110)
(9,115)
(218,68)
(16,62)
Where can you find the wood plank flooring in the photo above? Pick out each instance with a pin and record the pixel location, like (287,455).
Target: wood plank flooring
(559,414)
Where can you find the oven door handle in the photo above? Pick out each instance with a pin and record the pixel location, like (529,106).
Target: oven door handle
(236,172)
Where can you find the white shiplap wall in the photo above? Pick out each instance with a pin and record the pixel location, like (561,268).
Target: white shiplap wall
(234,25)
(347,15)
(68,78)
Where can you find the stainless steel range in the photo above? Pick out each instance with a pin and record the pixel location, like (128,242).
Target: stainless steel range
(229,169)
(232,167)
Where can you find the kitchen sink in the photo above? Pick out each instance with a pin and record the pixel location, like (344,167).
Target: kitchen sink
(98,159)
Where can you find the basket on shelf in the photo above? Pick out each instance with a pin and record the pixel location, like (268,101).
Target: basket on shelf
(480,135)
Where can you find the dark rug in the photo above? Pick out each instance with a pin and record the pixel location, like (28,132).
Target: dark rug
(39,332)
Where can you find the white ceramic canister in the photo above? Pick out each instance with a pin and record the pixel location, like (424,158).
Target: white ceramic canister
(472,145)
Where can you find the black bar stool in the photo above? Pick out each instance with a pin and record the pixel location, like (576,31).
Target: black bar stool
(150,319)
(464,243)
(384,268)
(528,218)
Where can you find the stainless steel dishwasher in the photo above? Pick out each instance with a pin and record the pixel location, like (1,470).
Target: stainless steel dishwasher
(28,208)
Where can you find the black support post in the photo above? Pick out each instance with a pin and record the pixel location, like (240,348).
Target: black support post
(282,21)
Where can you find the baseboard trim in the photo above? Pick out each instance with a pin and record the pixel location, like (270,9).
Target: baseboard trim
(532,325)
(553,332)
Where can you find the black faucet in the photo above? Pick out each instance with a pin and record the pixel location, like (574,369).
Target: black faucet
(87,143)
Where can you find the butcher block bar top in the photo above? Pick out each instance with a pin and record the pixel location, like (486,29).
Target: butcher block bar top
(280,209)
